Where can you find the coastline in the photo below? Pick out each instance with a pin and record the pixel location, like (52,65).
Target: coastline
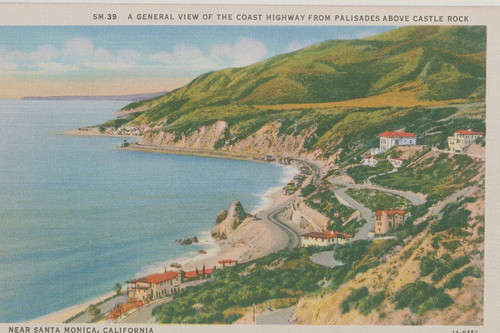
(240,250)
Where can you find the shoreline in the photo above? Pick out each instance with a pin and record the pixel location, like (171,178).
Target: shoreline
(217,251)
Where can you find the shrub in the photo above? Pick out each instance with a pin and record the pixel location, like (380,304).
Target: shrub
(421,297)
(451,245)
(456,280)
(452,218)
(449,266)
(353,298)
(371,302)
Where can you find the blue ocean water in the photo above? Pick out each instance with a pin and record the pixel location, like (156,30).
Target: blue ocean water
(78,215)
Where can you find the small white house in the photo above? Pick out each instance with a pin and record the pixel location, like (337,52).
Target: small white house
(370,161)
(324,238)
(395,161)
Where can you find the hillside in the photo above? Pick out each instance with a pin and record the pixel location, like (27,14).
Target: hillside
(307,101)
(328,104)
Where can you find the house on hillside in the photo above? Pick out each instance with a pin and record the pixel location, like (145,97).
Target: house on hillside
(324,238)
(154,286)
(370,161)
(462,139)
(227,262)
(390,139)
(395,161)
(386,220)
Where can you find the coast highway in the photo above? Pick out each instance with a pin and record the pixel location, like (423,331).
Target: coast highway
(272,214)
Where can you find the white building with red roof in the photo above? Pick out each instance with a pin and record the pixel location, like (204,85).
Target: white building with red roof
(395,161)
(386,220)
(154,286)
(390,139)
(324,238)
(462,139)
(227,262)
(369,160)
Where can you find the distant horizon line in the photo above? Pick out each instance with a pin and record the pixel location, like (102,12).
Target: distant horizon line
(132,97)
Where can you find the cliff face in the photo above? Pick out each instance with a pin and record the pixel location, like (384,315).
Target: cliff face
(204,137)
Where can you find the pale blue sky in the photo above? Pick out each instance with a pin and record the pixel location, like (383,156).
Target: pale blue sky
(90,53)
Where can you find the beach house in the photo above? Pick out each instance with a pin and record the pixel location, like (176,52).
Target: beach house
(462,139)
(227,262)
(369,160)
(386,220)
(154,286)
(197,274)
(390,139)
(324,238)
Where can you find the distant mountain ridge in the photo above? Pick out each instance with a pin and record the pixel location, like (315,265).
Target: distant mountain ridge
(133,97)
(329,101)
(437,62)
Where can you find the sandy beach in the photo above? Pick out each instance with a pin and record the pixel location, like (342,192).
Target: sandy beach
(64,314)
(254,238)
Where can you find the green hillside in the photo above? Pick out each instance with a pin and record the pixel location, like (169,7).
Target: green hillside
(432,63)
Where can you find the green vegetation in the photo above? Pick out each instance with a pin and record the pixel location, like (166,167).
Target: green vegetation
(324,201)
(456,280)
(437,176)
(362,300)
(353,298)
(421,297)
(420,59)
(361,172)
(452,245)
(378,200)
(118,288)
(453,218)
(94,311)
(286,274)
(440,267)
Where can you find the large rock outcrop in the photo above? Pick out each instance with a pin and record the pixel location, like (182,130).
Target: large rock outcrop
(227,221)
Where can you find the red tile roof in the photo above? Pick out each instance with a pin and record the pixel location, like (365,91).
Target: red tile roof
(368,157)
(389,134)
(326,234)
(395,158)
(192,274)
(390,212)
(227,261)
(157,278)
(466,132)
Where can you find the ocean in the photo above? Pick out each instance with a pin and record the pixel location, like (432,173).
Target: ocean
(77,215)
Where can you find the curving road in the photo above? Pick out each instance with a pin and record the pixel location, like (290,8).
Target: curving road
(415,198)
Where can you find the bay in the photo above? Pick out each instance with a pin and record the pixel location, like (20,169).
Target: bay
(78,215)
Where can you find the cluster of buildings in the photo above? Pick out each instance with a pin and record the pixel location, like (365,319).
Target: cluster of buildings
(456,143)
(324,238)
(127,130)
(390,139)
(159,285)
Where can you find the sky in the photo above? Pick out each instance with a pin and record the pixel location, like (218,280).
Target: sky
(120,60)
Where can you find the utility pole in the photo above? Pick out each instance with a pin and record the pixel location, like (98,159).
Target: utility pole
(253,306)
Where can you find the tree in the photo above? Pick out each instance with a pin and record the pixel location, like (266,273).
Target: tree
(94,311)
(204,274)
(118,288)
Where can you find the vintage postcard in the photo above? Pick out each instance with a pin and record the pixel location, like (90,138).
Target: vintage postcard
(248,167)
